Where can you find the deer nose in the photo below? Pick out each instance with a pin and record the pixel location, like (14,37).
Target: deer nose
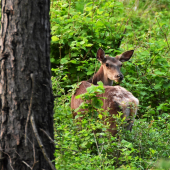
(120,76)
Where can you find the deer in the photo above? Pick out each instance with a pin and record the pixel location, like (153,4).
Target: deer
(116,98)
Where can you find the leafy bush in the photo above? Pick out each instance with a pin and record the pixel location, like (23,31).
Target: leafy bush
(87,144)
(79,28)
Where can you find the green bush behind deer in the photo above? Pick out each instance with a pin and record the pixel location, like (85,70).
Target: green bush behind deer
(79,28)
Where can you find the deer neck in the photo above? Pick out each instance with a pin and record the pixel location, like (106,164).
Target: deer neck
(101,76)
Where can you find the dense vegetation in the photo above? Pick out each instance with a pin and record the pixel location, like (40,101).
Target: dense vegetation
(79,28)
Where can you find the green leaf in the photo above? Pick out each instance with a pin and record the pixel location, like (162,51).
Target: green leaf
(73,61)
(78,96)
(91,89)
(52,60)
(82,42)
(90,72)
(152,112)
(100,83)
(100,116)
(157,86)
(97,103)
(54,28)
(64,61)
(54,38)
(88,45)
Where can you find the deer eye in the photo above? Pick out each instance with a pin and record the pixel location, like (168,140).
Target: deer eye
(107,65)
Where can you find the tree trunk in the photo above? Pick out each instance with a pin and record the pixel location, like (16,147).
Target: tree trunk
(25,52)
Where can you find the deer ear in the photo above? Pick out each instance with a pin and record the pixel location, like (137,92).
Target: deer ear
(125,56)
(100,54)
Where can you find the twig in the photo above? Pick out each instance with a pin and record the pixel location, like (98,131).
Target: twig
(34,156)
(22,161)
(102,148)
(34,152)
(30,108)
(40,143)
(88,52)
(34,165)
(48,136)
(27,164)
(97,145)
(9,159)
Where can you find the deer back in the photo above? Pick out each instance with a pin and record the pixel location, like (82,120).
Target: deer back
(116,98)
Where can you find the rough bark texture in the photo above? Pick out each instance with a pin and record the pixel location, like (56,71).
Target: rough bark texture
(25,45)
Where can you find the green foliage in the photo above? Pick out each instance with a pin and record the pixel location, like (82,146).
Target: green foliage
(87,144)
(79,28)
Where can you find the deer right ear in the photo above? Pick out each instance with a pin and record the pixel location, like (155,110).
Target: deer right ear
(100,54)
(125,56)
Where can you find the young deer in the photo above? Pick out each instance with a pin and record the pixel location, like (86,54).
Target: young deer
(116,97)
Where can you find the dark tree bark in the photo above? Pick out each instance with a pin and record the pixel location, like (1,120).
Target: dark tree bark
(25,52)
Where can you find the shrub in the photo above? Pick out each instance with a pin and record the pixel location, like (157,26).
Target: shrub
(88,144)
(79,28)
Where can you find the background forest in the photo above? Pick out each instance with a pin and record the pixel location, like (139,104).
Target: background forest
(79,28)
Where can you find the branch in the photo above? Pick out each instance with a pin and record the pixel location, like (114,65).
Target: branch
(30,108)
(97,145)
(48,136)
(40,143)
(34,152)
(9,159)
(26,164)
(88,52)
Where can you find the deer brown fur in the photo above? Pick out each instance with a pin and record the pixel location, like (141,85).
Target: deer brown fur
(116,97)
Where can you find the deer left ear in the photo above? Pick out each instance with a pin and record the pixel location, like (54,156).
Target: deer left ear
(100,55)
(125,56)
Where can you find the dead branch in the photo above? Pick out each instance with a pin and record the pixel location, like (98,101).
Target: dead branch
(23,161)
(34,151)
(9,159)
(30,108)
(48,136)
(26,164)
(40,142)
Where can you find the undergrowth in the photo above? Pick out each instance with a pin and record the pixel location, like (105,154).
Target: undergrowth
(79,28)
(87,144)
